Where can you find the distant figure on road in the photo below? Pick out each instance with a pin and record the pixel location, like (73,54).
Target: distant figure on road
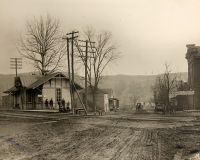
(51,103)
(46,103)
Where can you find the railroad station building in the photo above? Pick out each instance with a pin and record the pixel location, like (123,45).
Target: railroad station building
(31,91)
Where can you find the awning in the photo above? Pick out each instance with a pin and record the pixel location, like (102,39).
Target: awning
(11,90)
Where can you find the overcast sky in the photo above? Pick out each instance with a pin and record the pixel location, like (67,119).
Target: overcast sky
(148,32)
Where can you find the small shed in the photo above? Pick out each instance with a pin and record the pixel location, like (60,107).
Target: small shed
(102,97)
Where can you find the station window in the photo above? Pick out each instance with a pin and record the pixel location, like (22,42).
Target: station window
(58,94)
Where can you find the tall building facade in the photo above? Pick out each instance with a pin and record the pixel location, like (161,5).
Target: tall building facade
(193,58)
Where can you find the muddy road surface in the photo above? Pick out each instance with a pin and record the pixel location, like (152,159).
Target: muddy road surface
(110,137)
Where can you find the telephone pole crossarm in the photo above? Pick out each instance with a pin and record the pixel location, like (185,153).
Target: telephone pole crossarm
(73,32)
(16,63)
(85,60)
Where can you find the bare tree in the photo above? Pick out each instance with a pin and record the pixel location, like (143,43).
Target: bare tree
(103,52)
(165,85)
(42,44)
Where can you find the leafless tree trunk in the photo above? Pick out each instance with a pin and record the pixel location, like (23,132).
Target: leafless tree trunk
(164,86)
(42,44)
(103,52)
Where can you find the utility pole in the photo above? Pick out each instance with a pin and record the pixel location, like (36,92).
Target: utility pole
(72,65)
(71,37)
(16,63)
(69,72)
(85,60)
(86,65)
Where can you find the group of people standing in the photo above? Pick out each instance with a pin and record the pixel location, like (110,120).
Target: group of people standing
(61,105)
(49,104)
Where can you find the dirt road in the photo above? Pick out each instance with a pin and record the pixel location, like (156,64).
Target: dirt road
(101,138)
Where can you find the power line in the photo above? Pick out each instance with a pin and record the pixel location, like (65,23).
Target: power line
(85,60)
(70,37)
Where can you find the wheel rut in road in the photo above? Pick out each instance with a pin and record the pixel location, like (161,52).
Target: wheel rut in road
(141,144)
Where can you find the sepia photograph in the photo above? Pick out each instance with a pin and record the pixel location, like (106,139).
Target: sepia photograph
(100,80)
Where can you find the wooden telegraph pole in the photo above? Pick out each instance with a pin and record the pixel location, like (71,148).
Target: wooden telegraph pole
(85,59)
(69,72)
(16,63)
(71,37)
(86,65)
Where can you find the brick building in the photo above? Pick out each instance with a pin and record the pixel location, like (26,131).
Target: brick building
(193,58)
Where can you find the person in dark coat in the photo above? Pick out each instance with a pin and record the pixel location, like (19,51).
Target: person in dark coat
(46,103)
(51,103)
(63,104)
(60,107)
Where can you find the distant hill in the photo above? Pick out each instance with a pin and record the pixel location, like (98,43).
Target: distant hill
(123,85)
